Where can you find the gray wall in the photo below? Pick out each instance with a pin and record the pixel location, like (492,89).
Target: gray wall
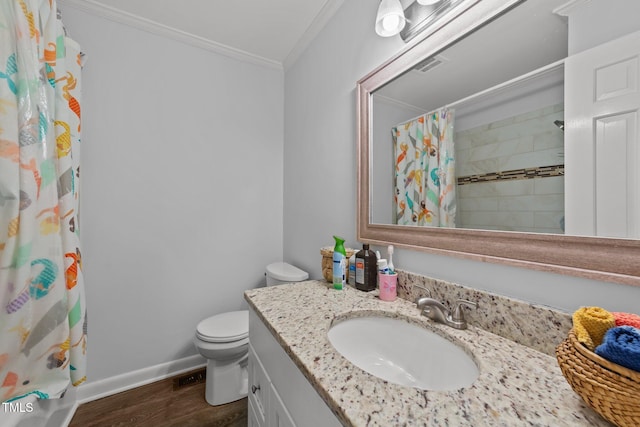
(585,22)
(387,115)
(320,175)
(181,189)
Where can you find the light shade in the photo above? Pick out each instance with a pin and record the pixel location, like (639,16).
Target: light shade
(390,19)
(428,2)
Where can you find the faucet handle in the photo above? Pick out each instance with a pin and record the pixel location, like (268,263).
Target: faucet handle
(457,314)
(424,289)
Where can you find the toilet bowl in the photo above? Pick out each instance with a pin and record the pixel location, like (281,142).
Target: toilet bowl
(223,340)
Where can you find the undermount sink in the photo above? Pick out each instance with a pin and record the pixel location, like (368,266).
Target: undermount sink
(403,353)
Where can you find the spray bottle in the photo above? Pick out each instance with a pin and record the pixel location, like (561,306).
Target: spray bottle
(339,263)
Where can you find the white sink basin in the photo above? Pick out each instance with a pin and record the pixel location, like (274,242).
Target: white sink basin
(403,353)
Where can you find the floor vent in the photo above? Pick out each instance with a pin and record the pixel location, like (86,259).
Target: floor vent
(190,378)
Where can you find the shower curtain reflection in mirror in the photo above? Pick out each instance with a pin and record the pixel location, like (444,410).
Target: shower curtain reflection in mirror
(424,171)
(42,311)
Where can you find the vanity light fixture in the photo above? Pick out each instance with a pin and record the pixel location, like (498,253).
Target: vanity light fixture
(390,19)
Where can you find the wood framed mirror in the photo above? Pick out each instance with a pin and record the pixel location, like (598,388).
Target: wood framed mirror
(612,259)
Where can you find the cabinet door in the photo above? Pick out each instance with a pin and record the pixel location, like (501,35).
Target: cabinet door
(278,414)
(254,419)
(259,388)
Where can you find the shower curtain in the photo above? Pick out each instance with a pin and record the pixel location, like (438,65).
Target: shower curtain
(42,316)
(424,174)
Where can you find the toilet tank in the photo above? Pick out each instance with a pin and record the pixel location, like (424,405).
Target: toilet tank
(280,272)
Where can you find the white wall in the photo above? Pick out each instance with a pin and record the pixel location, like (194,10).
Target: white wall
(320,132)
(388,114)
(320,175)
(586,18)
(182,189)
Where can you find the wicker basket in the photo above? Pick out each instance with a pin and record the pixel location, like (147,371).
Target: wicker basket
(327,262)
(611,390)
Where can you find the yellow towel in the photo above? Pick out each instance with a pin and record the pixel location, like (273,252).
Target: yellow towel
(590,324)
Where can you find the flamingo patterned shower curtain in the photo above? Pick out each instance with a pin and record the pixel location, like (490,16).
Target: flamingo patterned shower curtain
(424,171)
(42,315)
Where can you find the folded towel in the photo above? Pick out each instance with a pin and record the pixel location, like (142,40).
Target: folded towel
(590,324)
(627,319)
(621,345)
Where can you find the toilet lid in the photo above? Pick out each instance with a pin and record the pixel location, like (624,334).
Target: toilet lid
(286,272)
(225,327)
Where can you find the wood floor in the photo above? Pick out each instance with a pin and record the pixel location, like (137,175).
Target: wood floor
(160,405)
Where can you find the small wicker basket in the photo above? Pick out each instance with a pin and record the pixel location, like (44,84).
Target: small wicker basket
(611,390)
(327,262)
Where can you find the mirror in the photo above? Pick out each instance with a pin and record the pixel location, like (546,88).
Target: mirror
(492,64)
(503,102)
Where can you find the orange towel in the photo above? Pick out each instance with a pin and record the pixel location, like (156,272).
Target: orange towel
(590,324)
(627,319)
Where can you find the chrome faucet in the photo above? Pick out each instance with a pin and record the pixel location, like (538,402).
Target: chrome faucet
(437,312)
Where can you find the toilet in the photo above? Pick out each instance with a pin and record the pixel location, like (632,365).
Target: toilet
(223,340)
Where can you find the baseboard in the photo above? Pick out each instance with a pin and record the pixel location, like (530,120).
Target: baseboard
(119,383)
(70,413)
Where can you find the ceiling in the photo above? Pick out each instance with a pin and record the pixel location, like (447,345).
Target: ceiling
(273,31)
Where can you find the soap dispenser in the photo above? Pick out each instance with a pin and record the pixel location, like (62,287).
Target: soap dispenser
(366,269)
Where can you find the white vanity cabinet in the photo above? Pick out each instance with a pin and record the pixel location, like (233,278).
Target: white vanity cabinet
(265,406)
(279,395)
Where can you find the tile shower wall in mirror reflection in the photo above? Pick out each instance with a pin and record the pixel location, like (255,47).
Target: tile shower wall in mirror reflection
(510,173)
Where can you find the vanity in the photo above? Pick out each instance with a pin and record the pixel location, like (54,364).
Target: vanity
(298,378)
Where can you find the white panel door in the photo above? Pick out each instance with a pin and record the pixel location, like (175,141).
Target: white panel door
(602,155)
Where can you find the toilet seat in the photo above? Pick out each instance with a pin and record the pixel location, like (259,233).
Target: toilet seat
(223,328)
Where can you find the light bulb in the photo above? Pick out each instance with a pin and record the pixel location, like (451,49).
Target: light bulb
(390,22)
(390,18)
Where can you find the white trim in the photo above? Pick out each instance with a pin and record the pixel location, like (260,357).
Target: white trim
(119,383)
(322,18)
(130,19)
(396,103)
(568,7)
(549,71)
(533,81)
(70,414)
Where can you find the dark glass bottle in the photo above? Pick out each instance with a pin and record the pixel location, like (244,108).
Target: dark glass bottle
(366,269)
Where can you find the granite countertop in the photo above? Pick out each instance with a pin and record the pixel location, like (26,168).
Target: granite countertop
(517,386)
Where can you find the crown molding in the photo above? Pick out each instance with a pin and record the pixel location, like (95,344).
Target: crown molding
(116,15)
(569,7)
(397,103)
(322,18)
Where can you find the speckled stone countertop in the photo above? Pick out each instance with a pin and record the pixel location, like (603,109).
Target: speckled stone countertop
(517,386)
